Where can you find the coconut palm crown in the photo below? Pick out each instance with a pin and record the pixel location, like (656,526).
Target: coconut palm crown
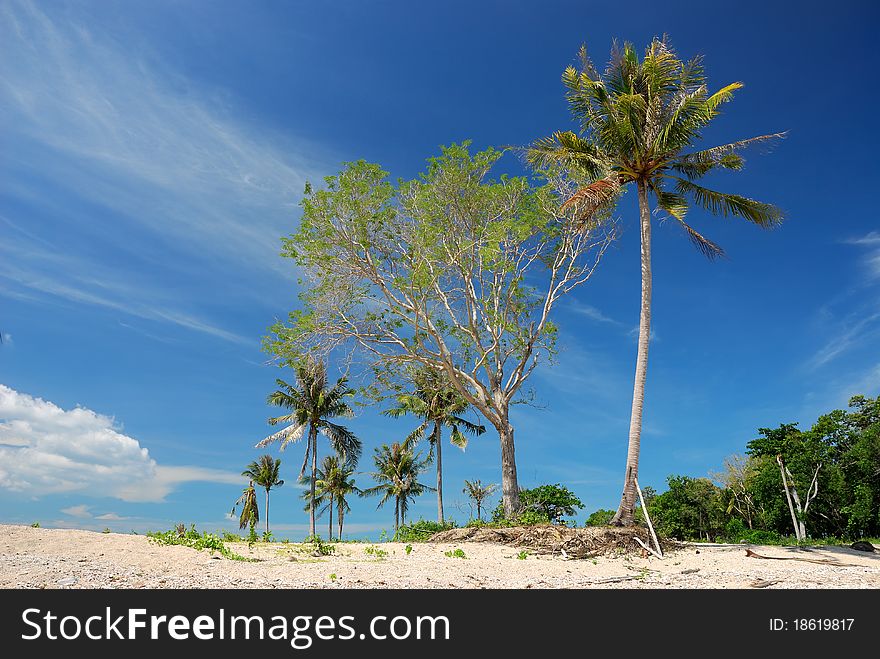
(264,472)
(439,405)
(312,404)
(639,121)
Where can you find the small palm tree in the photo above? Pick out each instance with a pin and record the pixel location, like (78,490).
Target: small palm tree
(250,514)
(397,472)
(478,493)
(639,121)
(264,472)
(312,404)
(439,404)
(333,485)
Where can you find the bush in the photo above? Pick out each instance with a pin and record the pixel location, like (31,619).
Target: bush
(420,531)
(601,517)
(545,504)
(195,540)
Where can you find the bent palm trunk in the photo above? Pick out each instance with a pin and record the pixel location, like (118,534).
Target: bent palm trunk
(624,514)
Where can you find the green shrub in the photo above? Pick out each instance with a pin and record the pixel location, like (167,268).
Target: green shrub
(457,553)
(545,504)
(373,550)
(421,530)
(601,517)
(195,540)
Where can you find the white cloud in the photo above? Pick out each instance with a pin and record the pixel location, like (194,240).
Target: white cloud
(591,312)
(45,449)
(854,331)
(110,517)
(81,510)
(634,334)
(871,240)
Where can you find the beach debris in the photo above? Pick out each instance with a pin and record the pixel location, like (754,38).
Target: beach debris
(692,570)
(827,561)
(577,543)
(67,581)
(763,583)
(862,545)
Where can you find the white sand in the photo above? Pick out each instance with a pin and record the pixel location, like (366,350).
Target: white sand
(55,558)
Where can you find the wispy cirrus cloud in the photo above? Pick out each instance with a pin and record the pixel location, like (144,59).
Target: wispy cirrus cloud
(117,169)
(870,241)
(591,312)
(45,449)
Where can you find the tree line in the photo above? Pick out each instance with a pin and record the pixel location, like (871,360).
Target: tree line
(815,483)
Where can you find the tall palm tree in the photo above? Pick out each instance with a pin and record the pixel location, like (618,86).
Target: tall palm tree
(250,514)
(478,493)
(638,123)
(334,483)
(438,404)
(312,404)
(397,471)
(264,472)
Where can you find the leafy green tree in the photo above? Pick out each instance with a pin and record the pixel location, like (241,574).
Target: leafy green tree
(264,472)
(552,501)
(794,450)
(639,122)
(438,404)
(601,517)
(250,514)
(454,271)
(691,509)
(312,403)
(478,493)
(334,484)
(397,470)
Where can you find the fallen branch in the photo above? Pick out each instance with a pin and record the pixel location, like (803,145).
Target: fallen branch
(763,583)
(646,547)
(634,577)
(659,553)
(826,561)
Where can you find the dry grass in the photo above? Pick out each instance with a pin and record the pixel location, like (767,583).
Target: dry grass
(558,540)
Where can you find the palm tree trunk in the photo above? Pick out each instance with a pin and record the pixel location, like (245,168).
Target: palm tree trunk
(438,445)
(330,526)
(313,441)
(479,515)
(341,513)
(624,514)
(396,514)
(267,511)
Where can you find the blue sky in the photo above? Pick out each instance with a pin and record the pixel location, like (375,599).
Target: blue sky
(152,154)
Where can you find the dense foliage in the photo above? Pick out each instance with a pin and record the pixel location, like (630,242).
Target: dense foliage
(544,504)
(833,468)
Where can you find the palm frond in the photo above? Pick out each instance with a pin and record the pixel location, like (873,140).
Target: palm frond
(566,149)
(708,248)
(469,427)
(727,156)
(343,441)
(720,203)
(416,435)
(458,438)
(673,203)
(291,433)
(590,198)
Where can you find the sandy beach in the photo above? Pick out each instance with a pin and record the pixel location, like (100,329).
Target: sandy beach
(63,558)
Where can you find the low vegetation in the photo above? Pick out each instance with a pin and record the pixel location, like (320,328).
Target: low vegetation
(195,540)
